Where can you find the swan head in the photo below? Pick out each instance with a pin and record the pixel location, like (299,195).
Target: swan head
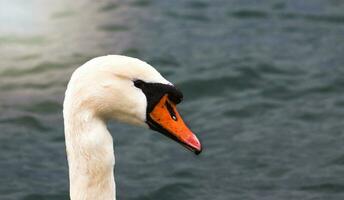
(129,90)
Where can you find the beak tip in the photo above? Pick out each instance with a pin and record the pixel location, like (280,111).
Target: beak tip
(198,151)
(195,144)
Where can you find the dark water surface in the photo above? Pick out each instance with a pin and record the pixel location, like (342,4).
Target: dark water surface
(263,85)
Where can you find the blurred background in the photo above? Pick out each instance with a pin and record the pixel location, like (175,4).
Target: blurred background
(262,80)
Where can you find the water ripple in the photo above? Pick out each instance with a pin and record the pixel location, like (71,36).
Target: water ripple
(114,28)
(109,7)
(40,68)
(255,109)
(29,122)
(141,3)
(44,107)
(188,16)
(214,86)
(247,14)
(260,14)
(171,191)
(46,196)
(197,4)
(325,187)
(336,19)
(33,40)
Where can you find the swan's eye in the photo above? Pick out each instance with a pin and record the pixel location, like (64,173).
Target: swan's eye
(171,111)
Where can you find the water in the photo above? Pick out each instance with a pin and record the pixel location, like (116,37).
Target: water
(262,80)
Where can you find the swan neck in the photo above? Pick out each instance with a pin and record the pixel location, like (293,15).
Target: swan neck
(91,157)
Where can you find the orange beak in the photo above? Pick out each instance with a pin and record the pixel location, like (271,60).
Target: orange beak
(165,118)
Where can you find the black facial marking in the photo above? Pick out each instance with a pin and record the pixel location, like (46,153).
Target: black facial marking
(155,91)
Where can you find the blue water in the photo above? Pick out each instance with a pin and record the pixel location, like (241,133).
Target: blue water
(262,80)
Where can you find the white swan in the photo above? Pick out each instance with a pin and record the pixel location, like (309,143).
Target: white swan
(120,88)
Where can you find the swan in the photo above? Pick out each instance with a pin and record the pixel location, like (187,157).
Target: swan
(121,88)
